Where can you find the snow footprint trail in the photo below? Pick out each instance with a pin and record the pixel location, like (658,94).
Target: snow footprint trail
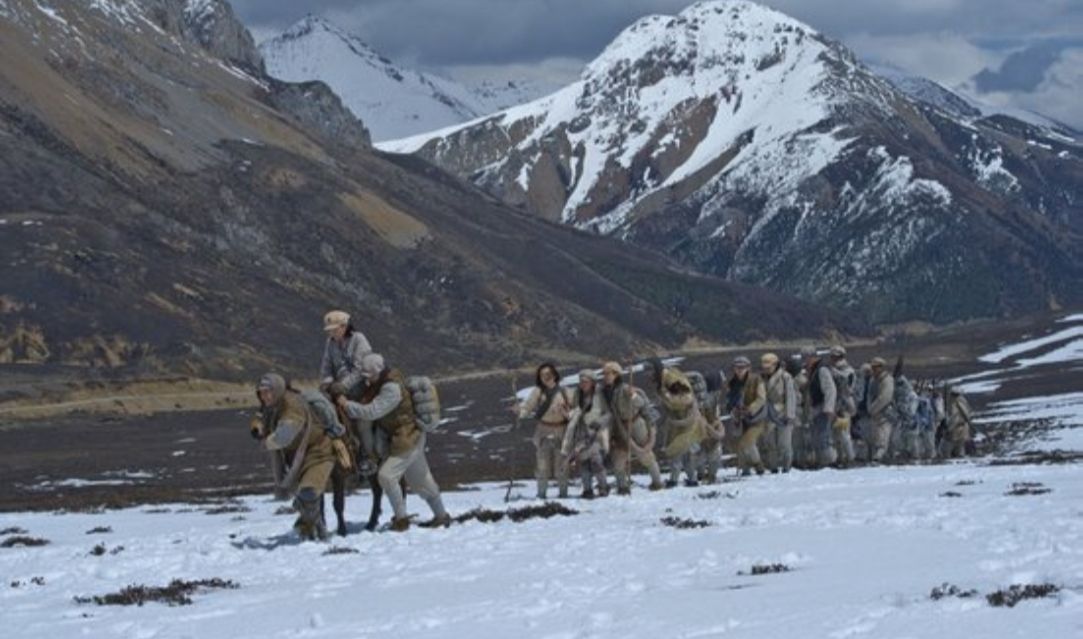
(864,548)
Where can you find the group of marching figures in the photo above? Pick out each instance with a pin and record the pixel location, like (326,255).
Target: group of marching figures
(814,410)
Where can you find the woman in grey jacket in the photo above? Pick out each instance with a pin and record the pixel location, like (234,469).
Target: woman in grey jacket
(342,355)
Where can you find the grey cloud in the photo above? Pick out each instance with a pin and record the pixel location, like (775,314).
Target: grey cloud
(442,32)
(1002,19)
(1025,70)
(1005,45)
(455,32)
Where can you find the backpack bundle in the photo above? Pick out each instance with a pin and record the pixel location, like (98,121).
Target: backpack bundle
(924,415)
(325,410)
(905,401)
(345,450)
(645,408)
(845,402)
(426,402)
(699,386)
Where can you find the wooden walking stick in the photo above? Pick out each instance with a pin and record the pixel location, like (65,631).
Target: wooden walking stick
(628,424)
(515,430)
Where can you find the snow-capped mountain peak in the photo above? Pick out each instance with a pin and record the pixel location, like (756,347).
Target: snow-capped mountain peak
(392,100)
(665,98)
(318,28)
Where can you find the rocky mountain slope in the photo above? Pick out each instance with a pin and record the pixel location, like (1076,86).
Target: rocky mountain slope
(167,208)
(393,100)
(745,144)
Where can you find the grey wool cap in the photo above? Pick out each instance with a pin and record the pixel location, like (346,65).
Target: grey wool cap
(372,364)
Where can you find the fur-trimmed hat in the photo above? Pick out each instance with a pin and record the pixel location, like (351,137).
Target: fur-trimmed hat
(612,367)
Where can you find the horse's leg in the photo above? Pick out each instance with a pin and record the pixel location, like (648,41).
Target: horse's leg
(338,485)
(377,497)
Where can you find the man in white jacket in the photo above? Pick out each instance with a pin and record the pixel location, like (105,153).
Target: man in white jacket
(586,441)
(388,406)
(881,410)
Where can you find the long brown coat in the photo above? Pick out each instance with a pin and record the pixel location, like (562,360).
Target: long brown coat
(310,442)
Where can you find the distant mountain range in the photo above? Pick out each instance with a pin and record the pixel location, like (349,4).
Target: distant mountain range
(745,144)
(964,107)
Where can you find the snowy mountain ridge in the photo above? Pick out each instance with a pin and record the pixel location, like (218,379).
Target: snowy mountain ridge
(959,103)
(392,100)
(736,138)
(623,109)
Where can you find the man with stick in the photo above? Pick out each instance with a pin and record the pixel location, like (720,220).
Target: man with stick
(634,430)
(550,406)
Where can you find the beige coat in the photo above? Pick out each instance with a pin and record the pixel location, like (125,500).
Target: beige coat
(959,419)
(782,396)
(755,399)
(881,396)
(559,410)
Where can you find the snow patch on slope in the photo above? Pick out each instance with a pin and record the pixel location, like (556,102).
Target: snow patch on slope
(988,168)
(1068,349)
(897,182)
(1011,350)
(51,13)
(199,10)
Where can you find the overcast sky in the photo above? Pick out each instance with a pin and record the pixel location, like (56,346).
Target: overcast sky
(1021,53)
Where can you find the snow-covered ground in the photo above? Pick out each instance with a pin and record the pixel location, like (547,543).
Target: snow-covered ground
(1065,410)
(865,547)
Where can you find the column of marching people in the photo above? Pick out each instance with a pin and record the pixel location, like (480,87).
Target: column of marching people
(810,410)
